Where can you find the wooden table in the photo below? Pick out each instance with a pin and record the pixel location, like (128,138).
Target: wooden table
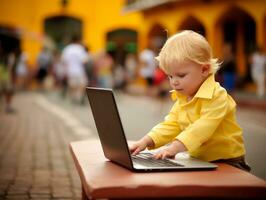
(101,178)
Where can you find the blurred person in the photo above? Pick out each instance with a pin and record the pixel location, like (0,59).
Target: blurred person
(74,56)
(119,76)
(258,64)
(104,66)
(60,72)
(148,65)
(89,65)
(21,70)
(44,63)
(161,82)
(131,65)
(228,69)
(58,69)
(202,121)
(7,78)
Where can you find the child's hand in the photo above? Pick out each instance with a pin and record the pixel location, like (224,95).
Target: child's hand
(141,145)
(171,151)
(137,147)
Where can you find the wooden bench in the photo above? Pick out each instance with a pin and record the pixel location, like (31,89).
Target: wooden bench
(101,178)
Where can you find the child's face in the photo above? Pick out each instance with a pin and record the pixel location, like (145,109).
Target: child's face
(187,77)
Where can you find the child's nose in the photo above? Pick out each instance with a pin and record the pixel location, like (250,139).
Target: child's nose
(175,80)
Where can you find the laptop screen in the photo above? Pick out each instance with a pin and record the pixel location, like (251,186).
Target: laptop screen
(109,126)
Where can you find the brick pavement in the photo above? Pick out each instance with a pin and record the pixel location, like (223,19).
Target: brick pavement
(34,157)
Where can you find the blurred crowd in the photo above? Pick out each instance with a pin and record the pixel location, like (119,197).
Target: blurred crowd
(74,68)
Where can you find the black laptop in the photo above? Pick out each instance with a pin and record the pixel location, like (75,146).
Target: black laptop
(114,142)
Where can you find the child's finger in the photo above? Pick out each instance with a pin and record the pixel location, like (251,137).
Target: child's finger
(137,150)
(165,155)
(134,152)
(133,148)
(158,155)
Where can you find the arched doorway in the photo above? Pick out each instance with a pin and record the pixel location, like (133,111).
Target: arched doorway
(191,23)
(238,29)
(62,28)
(157,36)
(9,40)
(120,42)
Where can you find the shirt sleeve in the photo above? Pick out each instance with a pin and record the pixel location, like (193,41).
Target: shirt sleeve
(212,113)
(167,130)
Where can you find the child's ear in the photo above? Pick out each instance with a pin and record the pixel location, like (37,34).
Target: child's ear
(205,69)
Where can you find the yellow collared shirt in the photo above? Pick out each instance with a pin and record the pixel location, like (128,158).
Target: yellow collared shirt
(206,125)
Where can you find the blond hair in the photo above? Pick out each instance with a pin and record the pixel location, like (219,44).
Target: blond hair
(187,45)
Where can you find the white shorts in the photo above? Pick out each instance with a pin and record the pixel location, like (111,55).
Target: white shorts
(77,81)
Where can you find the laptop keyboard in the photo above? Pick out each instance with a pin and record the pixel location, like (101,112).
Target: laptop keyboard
(146,159)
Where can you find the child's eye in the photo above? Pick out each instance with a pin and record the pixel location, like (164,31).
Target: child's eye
(169,76)
(181,75)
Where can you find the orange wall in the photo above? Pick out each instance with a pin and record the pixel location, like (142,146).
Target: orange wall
(98,17)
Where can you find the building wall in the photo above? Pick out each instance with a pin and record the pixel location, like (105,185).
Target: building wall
(209,14)
(98,17)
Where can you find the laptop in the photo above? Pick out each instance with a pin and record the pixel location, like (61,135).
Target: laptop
(114,142)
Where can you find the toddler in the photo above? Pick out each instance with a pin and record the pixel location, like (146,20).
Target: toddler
(202,121)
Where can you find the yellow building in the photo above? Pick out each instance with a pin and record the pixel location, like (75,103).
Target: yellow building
(28,21)
(242,23)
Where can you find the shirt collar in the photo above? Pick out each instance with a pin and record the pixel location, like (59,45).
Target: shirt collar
(205,91)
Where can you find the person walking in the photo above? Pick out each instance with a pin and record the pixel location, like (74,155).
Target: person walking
(147,68)
(228,69)
(74,57)
(44,62)
(258,64)
(7,78)
(21,70)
